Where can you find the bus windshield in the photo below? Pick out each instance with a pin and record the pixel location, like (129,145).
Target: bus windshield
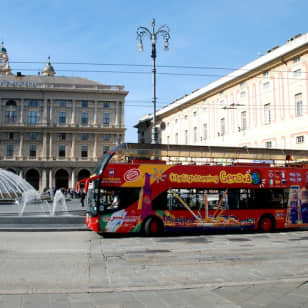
(114,199)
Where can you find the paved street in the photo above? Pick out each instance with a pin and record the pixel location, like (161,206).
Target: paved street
(82,269)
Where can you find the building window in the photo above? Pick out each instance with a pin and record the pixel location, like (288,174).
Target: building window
(266,85)
(296,59)
(11,103)
(176,121)
(33,104)
(33,136)
(106,119)
(62,117)
(298,105)
(186,136)
(62,136)
(84,136)
(32,151)
(106,104)
(10,116)
(222,126)
(185,117)
(62,103)
(195,113)
(268,144)
(33,117)
(267,114)
(106,137)
(84,104)
(195,134)
(204,131)
(300,139)
(243,94)
(243,120)
(297,73)
(10,150)
(106,149)
(84,118)
(11,135)
(168,139)
(265,74)
(84,151)
(177,138)
(62,150)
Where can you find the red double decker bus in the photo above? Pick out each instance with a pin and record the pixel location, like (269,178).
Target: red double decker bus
(160,188)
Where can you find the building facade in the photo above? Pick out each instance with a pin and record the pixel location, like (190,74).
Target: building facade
(54,129)
(263,104)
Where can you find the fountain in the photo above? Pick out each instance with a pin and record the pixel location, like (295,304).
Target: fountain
(12,186)
(21,206)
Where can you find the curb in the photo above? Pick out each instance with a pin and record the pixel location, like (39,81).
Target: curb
(41,228)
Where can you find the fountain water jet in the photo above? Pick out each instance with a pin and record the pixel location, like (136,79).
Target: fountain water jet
(58,200)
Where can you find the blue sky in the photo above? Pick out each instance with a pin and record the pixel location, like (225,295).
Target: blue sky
(221,33)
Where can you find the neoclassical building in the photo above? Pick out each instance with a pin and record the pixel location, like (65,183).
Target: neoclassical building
(262,104)
(53,129)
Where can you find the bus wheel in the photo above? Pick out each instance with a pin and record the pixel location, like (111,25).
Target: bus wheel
(266,223)
(153,226)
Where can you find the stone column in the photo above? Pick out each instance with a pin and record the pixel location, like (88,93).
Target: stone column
(51,112)
(51,183)
(45,113)
(47,177)
(95,147)
(116,121)
(121,113)
(73,120)
(44,179)
(21,120)
(21,144)
(50,146)
(21,172)
(44,148)
(73,179)
(95,113)
(73,149)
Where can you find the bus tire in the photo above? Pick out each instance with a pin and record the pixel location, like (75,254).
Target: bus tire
(153,226)
(267,223)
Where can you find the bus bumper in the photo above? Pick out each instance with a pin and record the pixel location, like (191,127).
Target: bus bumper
(92,223)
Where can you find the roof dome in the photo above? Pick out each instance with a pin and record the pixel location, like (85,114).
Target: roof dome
(2,48)
(48,69)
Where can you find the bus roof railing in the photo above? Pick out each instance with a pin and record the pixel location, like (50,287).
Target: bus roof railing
(191,152)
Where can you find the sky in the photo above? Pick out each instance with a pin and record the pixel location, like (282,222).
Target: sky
(215,36)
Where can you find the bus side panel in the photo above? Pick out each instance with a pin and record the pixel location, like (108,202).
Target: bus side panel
(122,221)
(129,220)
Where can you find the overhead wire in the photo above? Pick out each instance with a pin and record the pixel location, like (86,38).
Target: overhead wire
(164,73)
(148,65)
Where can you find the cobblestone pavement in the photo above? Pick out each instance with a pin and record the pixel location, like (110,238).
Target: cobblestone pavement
(82,269)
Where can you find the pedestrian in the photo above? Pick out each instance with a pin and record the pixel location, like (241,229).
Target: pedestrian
(82,197)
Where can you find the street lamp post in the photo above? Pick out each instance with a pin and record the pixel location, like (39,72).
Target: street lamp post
(162,31)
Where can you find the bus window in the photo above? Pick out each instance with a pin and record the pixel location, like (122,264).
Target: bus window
(271,198)
(160,202)
(233,199)
(257,198)
(180,199)
(118,198)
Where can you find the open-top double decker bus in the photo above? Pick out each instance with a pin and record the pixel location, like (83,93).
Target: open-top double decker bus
(154,188)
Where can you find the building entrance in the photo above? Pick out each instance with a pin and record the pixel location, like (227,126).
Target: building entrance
(61,178)
(33,177)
